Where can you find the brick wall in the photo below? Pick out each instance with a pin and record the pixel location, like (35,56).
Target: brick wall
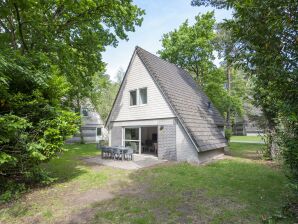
(167,142)
(116,136)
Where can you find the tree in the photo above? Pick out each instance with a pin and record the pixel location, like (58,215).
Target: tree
(120,75)
(50,52)
(265,33)
(226,50)
(191,47)
(102,98)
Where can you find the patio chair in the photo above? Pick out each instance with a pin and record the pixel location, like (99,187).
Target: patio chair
(106,152)
(129,154)
(117,153)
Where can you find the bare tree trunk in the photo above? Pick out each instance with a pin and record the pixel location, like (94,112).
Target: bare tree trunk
(272,149)
(228,117)
(82,141)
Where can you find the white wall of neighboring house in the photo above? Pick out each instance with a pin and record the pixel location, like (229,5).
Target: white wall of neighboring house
(90,124)
(91,121)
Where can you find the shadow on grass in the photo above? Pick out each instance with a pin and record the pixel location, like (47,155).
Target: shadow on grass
(227,191)
(69,164)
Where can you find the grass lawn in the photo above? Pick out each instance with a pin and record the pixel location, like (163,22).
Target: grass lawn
(247,138)
(76,185)
(239,189)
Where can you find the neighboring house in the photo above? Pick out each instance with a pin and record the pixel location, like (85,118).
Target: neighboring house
(248,124)
(159,109)
(92,126)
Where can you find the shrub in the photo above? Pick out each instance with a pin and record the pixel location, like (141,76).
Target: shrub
(24,146)
(228,134)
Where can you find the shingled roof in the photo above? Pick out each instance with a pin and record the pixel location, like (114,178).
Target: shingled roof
(194,110)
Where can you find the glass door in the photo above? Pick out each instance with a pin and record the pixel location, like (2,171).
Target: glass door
(132,139)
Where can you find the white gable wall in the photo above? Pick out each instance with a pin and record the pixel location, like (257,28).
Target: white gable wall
(156,107)
(185,149)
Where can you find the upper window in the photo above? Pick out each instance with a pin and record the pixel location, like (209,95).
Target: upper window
(98,131)
(143,96)
(133,97)
(85,112)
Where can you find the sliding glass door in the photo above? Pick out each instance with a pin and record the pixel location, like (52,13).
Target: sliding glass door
(132,138)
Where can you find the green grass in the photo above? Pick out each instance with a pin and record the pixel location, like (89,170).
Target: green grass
(228,191)
(243,189)
(247,138)
(245,150)
(72,178)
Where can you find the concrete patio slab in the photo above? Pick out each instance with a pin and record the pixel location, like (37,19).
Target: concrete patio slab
(139,161)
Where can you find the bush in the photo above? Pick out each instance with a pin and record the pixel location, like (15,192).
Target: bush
(228,134)
(12,191)
(24,147)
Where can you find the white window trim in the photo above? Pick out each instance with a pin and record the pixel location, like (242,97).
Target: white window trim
(146,96)
(140,136)
(138,97)
(137,102)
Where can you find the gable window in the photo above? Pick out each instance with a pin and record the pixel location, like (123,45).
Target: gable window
(143,96)
(98,131)
(133,97)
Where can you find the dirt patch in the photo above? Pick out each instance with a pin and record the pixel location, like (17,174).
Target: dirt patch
(80,205)
(92,196)
(83,216)
(197,207)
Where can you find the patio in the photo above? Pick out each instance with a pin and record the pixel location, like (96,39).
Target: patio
(138,162)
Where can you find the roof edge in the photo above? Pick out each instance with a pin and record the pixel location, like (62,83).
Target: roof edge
(121,86)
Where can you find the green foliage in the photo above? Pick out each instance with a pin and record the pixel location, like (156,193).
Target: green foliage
(265,33)
(103,95)
(50,54)
(12,191)
(228,134)
(222,99)
(192,47)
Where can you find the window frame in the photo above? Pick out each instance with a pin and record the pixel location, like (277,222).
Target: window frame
(138,141)
(140,96)
(136,91)
(100,132)
(86,110)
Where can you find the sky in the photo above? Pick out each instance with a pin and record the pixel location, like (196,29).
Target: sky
(162,16)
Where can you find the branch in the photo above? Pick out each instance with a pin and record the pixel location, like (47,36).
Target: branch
(82,15)
(20,27)
(13,35)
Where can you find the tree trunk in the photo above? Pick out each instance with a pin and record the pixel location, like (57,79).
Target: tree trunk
(82,141)
(272,149)
(228,117)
